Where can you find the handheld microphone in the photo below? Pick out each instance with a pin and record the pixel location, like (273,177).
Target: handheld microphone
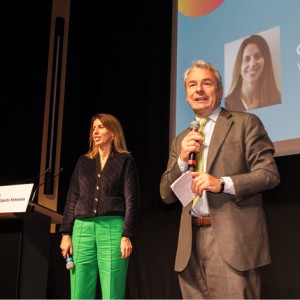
(43,183)
(194,126)
(69,262)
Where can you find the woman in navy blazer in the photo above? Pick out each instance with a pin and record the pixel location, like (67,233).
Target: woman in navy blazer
(101,213)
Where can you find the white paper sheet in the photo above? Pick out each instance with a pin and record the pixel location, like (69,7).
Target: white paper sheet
(182,188)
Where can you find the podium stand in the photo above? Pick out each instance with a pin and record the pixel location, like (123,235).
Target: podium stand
(24,252)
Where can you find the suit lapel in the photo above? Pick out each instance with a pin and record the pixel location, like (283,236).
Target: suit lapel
(221,129)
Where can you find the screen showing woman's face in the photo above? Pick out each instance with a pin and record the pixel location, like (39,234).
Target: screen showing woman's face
(252,63)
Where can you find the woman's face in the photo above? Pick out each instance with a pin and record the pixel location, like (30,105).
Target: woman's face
(252,63)
(102,136)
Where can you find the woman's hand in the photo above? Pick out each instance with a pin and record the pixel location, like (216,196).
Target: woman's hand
(126,247)
(66,246)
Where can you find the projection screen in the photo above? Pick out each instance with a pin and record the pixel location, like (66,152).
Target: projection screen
(214,30)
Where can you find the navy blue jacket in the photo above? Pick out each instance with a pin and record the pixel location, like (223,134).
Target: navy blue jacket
(113,192)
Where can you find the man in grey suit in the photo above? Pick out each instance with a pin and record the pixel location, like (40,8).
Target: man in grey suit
(223,238)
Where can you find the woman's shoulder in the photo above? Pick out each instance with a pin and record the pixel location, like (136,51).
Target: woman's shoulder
(234,102)
(84,159)
(122,155)
(122,158)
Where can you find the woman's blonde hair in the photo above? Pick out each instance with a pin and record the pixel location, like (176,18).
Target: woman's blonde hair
(112,124)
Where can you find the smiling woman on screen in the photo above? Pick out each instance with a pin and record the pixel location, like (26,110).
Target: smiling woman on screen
(253,81)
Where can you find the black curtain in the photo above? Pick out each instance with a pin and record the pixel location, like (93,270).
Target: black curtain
(119,60)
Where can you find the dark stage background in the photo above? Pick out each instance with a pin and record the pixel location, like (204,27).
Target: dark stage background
(119,61)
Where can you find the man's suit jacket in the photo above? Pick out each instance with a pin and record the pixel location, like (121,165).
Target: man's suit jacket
(239,148)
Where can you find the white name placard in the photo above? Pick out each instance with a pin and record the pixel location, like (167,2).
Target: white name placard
(14,198)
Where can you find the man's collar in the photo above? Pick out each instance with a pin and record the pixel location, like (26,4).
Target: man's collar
(213,116)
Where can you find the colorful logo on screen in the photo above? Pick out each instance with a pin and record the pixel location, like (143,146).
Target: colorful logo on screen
(197,8)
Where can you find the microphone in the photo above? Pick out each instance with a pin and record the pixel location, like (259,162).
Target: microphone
(69,262)
(43,183)
(36,177)
(194,126)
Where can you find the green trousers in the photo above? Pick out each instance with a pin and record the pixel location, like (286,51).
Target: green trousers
(96,249)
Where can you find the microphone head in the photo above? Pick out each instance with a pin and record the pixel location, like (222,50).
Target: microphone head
(70,265)
(194,125)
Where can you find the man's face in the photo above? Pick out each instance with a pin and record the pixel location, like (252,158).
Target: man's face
(203,93)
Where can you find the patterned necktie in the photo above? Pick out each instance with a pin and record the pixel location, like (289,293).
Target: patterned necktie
(200,154)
